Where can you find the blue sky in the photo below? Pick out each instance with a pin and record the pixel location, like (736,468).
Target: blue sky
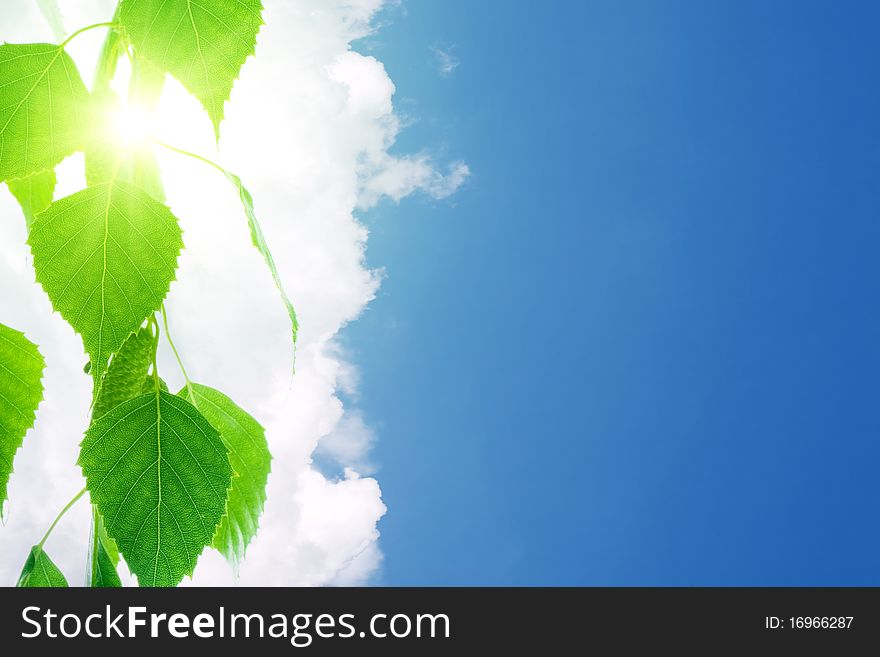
(637,346)
(640,346)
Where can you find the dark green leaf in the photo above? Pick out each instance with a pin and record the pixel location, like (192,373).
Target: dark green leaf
(102,566)
(40,572)
(21,390)
(106,257)
(159,475)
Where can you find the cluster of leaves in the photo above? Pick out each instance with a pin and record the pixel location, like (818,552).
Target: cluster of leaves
(167,474)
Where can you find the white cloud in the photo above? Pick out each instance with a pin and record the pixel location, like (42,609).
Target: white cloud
(398,177)
(446,61)
(350,443)
(308,129)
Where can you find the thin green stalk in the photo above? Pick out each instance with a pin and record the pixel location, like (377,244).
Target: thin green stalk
(189,387)
(155,324)
(86,29)
(193,155)
(60,516)
(257,237)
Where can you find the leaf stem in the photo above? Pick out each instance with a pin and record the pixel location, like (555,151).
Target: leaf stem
(189,387)
(192,155)
(86,29)
(155,356)
(61,515)
(257,237)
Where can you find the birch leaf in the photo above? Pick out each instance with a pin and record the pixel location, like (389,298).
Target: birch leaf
(40,572)
(250,460)
(203,44)
(259,242)
(21,391)
(106,257)
(45,109)
(159,475)
(34,193)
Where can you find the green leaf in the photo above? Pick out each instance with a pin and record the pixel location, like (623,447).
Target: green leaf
(110,547)
(34,193)
(106,257)
(250,460)
(203,44)
(103,560)
(159,474)
(21,391)
(104,573)
(40,572)
(45,112)
(259,241)
(127,375)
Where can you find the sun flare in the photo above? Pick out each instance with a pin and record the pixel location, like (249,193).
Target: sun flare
(134,125)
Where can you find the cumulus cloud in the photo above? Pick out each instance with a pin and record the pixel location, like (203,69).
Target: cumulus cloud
(309,129)
(350,443)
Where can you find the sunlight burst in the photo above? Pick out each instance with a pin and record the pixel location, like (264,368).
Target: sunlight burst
(134,125)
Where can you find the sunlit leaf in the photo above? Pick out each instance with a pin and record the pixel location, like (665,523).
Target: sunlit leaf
(106,257)
(259,241)
(159,474)
(250,460)
(202,43)
(45,110)
(21,390)
(34,193)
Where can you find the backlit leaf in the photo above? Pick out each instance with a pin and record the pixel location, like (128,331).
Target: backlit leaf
(159,474)
(45,112)
(34,193)
(102,564)
(40,572)
(104,573)
(21,390)
(202,43)
(259,241)
(250,460)
(106,257)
